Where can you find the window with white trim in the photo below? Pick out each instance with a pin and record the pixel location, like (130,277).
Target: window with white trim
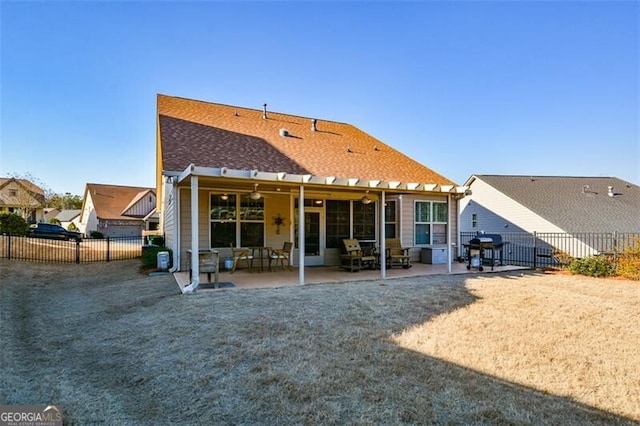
(430,223)
(227,224)
(390,219)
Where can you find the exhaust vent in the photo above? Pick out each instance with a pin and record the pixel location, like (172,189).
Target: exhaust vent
(284,133)
(314,125)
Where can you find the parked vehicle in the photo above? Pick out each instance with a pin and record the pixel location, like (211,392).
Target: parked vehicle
(49,230)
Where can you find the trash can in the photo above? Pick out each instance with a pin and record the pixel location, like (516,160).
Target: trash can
(228,263)
(163,260)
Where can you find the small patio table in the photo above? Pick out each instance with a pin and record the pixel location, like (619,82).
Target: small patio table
(260,251)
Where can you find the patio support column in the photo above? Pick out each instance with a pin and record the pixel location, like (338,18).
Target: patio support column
(383,257)
(449,257)
(195,260)
(301,235)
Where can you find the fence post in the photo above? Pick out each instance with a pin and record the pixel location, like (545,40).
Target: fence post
(535,250)
(77,251)
(108,258)
(615,249)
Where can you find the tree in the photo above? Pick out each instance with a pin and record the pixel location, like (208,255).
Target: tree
(12,224)
(65,201)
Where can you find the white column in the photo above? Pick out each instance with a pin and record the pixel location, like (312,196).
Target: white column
(449,209)
(383,248)
(195,233)
(301,235)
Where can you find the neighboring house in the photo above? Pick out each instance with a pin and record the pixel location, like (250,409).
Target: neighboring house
(67,217)
(577,206)
(257,174)
(116,211)
(50,213)
(22,197)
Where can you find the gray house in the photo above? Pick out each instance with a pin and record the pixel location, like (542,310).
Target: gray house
(579,209)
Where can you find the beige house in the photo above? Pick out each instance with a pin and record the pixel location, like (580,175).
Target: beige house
(233,176)
(22,197)
(117,211)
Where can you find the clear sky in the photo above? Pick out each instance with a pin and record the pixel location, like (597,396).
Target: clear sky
(473,87)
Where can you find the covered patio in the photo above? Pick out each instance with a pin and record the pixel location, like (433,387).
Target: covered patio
(243,279)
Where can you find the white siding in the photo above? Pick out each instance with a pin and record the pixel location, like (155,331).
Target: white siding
(168,217)
(89,218)
(143,206)
(498,213)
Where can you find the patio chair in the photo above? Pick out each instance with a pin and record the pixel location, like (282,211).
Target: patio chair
(355,258)
(241,254)
(396,254)
(282,255)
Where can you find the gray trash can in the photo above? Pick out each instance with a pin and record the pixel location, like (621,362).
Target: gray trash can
(163,260)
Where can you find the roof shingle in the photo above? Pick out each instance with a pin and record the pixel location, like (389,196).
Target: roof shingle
(216,135)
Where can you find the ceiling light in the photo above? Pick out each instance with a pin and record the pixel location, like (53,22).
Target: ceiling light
(224,197)
(366,199)
(255,195)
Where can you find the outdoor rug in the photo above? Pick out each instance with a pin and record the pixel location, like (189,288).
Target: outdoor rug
(222,284)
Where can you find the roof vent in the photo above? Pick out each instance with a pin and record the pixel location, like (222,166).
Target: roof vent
(264,111)
(610,192)
(314,125)
(284,133)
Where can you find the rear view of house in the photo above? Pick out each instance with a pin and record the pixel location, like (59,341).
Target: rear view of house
(233,176)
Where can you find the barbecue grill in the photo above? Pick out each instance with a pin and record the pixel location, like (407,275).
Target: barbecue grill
(481,244)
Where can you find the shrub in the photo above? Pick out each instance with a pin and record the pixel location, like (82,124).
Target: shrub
(54,220)
(157,240)
(629,262)
(97,235)
(13,224)
(150,256)
(72,227)
(594,266)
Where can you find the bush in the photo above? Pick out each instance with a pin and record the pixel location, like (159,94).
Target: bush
(72,227)
(629,262)
(12,224)
(97,235)
(150,256)
(54,220)
(157,240)
(594,266)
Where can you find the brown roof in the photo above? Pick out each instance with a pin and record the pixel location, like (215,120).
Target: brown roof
(216,135)
(110,201)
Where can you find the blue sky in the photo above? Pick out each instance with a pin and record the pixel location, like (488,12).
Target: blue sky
(501,87)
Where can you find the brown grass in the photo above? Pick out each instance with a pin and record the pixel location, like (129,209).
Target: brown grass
(111,345)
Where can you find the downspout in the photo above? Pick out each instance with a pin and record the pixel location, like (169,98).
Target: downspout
(301,236)
(195,249)
(176,220)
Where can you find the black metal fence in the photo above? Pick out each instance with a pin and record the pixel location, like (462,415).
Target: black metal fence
(553,249)
(59,251)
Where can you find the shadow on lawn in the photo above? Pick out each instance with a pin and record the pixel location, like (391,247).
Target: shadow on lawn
(131,350)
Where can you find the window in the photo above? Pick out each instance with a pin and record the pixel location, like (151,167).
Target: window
(474,220)
(338,215)
(227,223)
(430,223)
(390,219)
(364,221)
(223,220)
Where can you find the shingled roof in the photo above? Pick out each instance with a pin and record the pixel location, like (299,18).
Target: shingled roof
(215,135)
(575,204)
(110,201)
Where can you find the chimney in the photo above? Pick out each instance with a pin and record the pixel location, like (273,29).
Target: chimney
(314,125)
(264,111)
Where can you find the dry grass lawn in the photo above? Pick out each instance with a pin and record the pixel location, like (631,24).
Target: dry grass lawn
(113,346)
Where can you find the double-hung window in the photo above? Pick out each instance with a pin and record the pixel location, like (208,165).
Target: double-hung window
(430,224)
(234,215)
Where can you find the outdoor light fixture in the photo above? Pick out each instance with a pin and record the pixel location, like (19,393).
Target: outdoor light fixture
(255,195)
(224,197)
(366,199)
